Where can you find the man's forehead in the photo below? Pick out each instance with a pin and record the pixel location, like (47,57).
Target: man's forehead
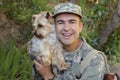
(67,16)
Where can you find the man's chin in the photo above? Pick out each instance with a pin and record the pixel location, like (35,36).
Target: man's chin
(66,42)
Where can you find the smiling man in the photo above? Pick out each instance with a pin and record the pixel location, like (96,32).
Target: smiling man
(68,28)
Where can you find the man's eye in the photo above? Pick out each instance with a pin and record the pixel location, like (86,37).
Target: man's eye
(60,22)
(72,22)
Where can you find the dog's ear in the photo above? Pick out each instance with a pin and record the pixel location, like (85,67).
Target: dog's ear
(49,17)
(33,17)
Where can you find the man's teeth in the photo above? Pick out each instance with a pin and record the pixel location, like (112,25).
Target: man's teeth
(67,34)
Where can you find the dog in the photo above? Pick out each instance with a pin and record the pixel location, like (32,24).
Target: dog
(45,43)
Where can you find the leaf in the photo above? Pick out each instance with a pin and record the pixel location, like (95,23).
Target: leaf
(99,13)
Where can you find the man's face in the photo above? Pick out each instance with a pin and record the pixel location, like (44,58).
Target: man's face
(68,27)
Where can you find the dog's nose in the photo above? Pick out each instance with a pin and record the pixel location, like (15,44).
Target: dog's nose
(39,25)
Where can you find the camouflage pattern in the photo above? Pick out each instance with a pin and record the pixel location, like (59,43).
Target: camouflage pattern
(67,8)
(94,71)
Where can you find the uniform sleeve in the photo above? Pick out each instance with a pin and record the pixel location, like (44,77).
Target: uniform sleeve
(57,78)
(95,69)
(37,76)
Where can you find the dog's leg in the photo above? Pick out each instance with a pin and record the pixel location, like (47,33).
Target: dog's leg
(58,58)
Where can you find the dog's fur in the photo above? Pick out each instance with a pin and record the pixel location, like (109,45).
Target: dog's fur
(45,42)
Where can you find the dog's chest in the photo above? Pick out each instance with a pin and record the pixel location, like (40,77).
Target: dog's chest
(41,45)
(37,45)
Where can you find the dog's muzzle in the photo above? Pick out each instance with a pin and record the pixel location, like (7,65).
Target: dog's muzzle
(39,36)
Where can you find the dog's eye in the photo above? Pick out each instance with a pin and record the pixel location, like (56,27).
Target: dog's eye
(39,25)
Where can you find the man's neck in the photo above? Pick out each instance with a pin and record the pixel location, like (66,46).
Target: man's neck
(73,46)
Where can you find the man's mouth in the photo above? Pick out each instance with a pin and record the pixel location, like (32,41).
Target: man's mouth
(67,35)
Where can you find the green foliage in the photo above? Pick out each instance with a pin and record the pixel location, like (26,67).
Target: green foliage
(99,10)
(94,18)
(21,11)
(112,46)
(20,14)
(15,64)
(40,5)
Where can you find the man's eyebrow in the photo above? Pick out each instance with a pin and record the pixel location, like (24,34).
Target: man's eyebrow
(63,21)
(59,21)
(72,20)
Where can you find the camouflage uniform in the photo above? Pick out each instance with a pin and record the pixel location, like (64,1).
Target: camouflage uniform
(68,8)
(95,69)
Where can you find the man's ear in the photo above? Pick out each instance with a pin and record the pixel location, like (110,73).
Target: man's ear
(81,26)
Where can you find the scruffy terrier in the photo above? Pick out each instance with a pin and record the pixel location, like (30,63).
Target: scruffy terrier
(45,42)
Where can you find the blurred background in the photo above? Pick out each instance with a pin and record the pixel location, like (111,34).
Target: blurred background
(101,20)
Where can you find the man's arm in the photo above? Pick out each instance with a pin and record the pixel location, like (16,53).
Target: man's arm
(95,69)
(44,69)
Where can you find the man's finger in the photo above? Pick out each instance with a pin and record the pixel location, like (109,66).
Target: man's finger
(37,64)
(39,59)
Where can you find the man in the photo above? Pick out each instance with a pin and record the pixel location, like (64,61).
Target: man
(68,27)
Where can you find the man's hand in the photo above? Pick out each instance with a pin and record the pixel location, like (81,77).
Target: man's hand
(44,69)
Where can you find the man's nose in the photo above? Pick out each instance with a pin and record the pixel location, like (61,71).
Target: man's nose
(67,27)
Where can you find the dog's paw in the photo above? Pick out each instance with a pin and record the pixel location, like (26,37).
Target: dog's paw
(62,66)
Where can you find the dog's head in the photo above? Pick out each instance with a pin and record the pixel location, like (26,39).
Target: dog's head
(42,24)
